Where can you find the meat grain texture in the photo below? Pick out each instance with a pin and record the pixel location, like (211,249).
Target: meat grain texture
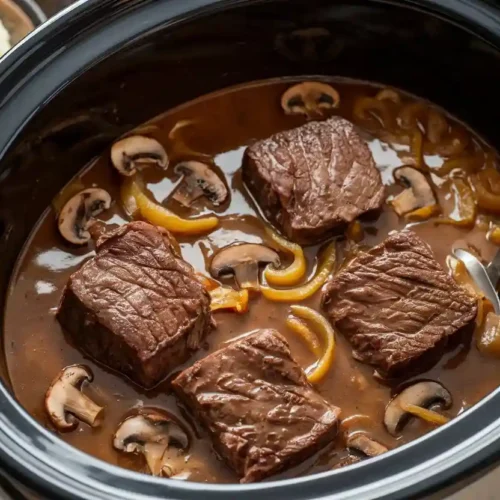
(136,307)
(313,180)
(395,303)
(260,410)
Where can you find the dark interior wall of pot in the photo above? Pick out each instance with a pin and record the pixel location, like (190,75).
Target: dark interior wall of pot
(368,40)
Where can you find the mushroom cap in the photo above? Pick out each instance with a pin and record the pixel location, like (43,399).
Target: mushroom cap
(232,256)
(423,394)
(309,97)
(418,192)
(75,375)
(150,432)
(243,261)
(79,212)
(149,426)
(63,396)
(133,152)
(366,445)
(199,180)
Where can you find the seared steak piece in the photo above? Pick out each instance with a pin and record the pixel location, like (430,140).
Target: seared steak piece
(259,408)
(313,180)
(136,307)
(395,303)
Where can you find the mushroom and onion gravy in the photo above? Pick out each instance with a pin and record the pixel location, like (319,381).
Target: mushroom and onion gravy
(265,272)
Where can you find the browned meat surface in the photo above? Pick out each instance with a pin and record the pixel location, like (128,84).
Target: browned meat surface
(312,180)
(260,410)
(395,303)
(136,306)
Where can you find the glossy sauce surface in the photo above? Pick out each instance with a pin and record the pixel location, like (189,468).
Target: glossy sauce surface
(219,126)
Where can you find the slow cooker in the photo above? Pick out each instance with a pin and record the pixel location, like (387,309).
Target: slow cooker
(104,66)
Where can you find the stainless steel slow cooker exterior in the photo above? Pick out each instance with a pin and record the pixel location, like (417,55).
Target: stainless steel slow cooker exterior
(121,62)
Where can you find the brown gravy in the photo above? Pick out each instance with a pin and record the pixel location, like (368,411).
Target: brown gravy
(222,125)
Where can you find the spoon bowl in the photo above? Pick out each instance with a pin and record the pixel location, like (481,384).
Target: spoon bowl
(480,276)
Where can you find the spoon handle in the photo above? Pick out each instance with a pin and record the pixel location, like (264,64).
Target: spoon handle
(493,270)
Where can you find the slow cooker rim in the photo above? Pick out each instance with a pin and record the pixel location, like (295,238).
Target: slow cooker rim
(31,452)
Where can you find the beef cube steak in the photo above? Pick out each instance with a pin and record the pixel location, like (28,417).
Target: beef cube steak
(137,307)
(260,410)
(313,180)
(396,303)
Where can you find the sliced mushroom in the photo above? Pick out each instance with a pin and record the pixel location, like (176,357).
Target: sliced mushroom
(199,180)
(64,400)
(137,151)
(423,394)
(243,261)
(78,214)
(418,192)
(309,98)
(365,444)
(151,433)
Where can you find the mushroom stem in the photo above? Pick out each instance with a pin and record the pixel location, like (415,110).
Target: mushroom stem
(186,194)
(64,397)
(418,193)
(153,453)
(150,433)
(366,445)
(247,276)
(243,262)
(81,406)
(404,202)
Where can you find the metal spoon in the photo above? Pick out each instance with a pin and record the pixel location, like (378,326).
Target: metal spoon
(485,277)
(493,270)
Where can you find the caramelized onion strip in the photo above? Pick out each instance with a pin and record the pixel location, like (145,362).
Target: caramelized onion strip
(295,271)
(132,191)
(486,186)
(429,416)
(300,328)
(366,108)
(494,235)
(307,290)
(465,165)
(321,368)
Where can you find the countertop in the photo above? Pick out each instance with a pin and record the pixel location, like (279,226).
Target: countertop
(482,487)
